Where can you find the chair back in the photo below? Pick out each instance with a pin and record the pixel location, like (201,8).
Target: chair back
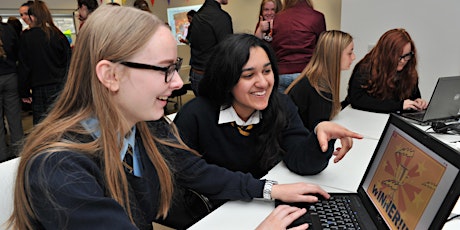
(8,171)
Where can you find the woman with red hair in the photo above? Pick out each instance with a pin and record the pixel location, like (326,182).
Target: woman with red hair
(386,79)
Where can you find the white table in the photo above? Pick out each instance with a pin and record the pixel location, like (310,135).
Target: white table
(449,139)
(368,124)
(344,176)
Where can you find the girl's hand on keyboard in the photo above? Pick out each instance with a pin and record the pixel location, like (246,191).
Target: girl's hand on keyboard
(281,217)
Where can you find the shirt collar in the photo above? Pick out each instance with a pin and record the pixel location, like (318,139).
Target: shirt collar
(228,115)
(92,125)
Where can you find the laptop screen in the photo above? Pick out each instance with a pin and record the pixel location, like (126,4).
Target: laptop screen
(445,100)
(407,180)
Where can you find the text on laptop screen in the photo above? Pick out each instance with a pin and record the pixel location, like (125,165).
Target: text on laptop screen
(407,182)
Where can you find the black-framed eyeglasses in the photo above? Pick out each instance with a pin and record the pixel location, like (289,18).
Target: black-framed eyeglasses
(407,56)
(169,70)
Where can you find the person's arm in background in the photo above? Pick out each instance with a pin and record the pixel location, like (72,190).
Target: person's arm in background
(320,25)
(261,27)
(416,97)
(24,69)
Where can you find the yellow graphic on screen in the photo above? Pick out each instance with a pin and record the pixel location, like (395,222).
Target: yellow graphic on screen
(404,182)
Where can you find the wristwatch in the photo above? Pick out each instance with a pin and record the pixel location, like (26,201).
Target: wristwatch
(267,193)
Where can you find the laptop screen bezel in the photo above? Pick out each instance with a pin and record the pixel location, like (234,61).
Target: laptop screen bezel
(450,155)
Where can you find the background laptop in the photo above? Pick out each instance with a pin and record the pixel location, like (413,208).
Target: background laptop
(444,102)
(411,182)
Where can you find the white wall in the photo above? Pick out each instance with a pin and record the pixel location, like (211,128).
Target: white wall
(433,25)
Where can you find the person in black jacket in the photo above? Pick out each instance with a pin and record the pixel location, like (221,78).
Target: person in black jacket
(211,24)
(10,106)
(105,158)
(44,57)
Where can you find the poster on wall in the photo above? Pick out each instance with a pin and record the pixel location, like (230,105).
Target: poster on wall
(177,20)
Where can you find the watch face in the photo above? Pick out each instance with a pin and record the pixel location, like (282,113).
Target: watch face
(268,38)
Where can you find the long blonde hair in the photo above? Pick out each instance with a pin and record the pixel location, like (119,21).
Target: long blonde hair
(111,33)
(323,70)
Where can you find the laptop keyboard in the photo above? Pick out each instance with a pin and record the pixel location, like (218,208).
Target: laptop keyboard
(335,213)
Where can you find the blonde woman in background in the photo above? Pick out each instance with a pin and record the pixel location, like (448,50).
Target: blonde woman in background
(268,9)
(316,90)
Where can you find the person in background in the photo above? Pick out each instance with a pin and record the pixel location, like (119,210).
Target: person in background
(142,5)
(44,57)
(241,122)
(211,24)
(85,8)
(296,30)
(268,9)
(24,12)
(316,91)
(190,15)
(105,157)
(386,79)
(10,106)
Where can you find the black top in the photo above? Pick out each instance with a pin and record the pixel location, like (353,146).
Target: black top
(77,183)
(42,61)
(313,108)
(10,46)
(360,99)
(223,145)
(209,26)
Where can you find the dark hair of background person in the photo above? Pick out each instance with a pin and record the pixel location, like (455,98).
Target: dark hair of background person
(142,5)
(16,24)
(191,13)
(223,72)
(90,4)
(382,61)
(43,18)
(28,3)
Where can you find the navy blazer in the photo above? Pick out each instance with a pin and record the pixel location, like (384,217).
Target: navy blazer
(80,200)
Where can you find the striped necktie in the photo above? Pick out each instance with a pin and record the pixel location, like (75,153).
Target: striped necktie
(128,160)
(243,130)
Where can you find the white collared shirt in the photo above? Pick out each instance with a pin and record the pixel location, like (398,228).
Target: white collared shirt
(228,115)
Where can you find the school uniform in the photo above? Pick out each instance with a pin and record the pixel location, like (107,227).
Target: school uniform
(81,200)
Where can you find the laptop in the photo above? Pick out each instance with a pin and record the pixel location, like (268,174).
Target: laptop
(411,182)
(444,103)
